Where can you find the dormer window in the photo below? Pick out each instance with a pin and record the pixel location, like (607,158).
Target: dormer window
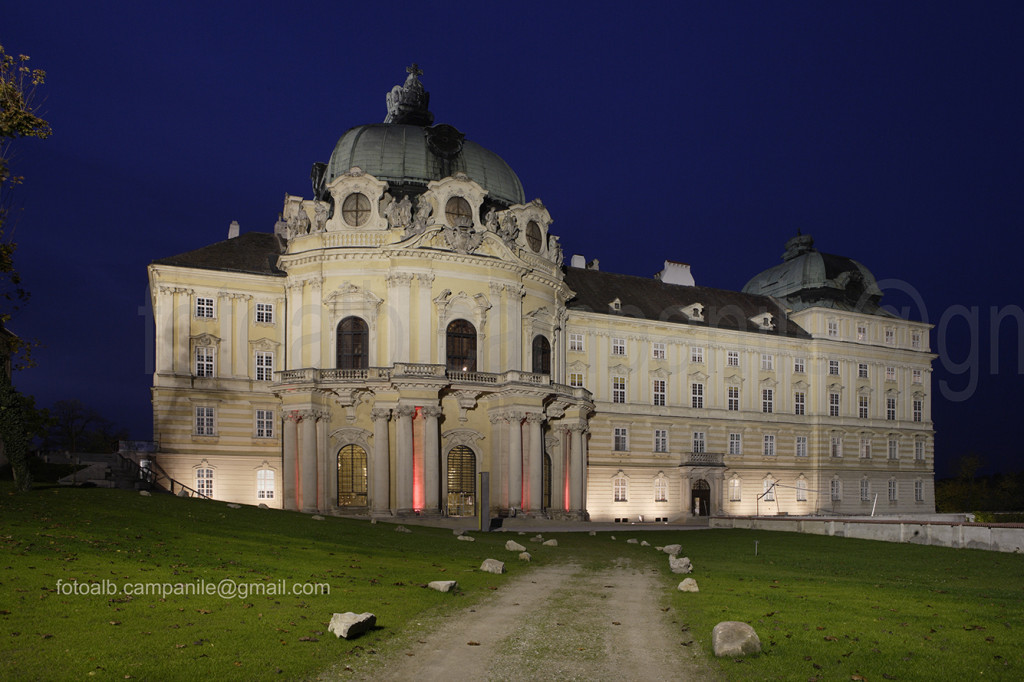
(694,312)
(615,306)
(764,321)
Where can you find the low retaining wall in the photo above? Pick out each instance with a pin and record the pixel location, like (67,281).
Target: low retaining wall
(1006,537)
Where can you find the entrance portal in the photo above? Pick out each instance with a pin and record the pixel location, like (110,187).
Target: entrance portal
(701,496)
(461,481)
(352,476)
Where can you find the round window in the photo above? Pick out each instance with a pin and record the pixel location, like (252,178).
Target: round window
(458,212)
(356,209)
(533,236)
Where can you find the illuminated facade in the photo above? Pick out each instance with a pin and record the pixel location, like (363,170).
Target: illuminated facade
(413,325)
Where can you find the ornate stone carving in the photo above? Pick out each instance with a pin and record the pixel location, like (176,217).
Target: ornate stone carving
(378,413)
(463,239)
(407,411)
(456,437)
(320,215)
(399,213)
(431,411)
(509,229)
(535,417)
(422,219)
(298,223)
(409,103)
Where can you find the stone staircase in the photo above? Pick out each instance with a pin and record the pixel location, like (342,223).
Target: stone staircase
(108,470)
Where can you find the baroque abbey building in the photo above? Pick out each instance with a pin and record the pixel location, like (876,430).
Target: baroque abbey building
(413,324)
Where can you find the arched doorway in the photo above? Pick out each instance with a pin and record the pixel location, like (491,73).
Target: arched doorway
(351,476)
(701,496)
(461,481)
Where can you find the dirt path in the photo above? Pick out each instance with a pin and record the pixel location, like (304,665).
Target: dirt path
(556,623)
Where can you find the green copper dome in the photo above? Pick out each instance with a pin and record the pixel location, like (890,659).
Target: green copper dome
(408,152)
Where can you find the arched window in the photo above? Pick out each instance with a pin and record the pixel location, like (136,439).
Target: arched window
(620,488)
(353,344)
(461,481)
(541,355)
(352,476)
(461,346)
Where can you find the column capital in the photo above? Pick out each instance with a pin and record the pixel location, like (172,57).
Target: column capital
(380,413)
(432,411)
(535,417)
(405,411)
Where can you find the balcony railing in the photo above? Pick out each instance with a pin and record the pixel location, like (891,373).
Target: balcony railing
(419,370)
(703,459)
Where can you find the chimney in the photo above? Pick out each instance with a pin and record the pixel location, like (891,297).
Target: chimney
(233,229)
(676,273)
(578,261)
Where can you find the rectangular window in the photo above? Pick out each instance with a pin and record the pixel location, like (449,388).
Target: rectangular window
(767,362)
(618,346)
(890,408)
(204,307)
(264,365)
(915,340)
(918,410)
(865,448)
(698,441)
(576,342)
(833,404)
(618,389)
(862,406)
(835,490)
(798,365)
(658,351)
(769,490)
(799,402)
(576,379)
(697,393)
(265,484)
(916,376)
(833,328)
(660,489)
(862,332)
(769,445)
(892,490)
(660,440)
(801,490)
(732,358)
(918,491)
(890,374)
(205,421)
(619,488)
(919,450)
(264,423)
(265,315)
(836,446)
(696,354)
(659,391)
(733,398)
(735,490)
(890,336)
(833,367)
(865,490)
(204,361)
(801,446)
(767,400)
(894,449)
(204,482)
(735,444)
(862,370)
(621,439)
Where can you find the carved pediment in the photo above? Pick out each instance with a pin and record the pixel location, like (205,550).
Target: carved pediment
(455,437)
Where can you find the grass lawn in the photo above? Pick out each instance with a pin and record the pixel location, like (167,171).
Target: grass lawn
(825,608)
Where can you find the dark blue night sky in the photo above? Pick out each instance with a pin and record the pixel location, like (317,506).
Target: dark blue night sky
(704,132)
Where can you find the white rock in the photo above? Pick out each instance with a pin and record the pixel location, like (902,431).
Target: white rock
(402,529)
(442,585)
(492,566)
(632,541)
(466,538)
(659,548)
(458,531)
(349,624)
(514,546)
(593,532)
(550,543)
(688,585)
(613,537)
(145,493)
(524,556)
(232,505)
(677,565)
(263,505)
(672,549)
(644,543)
(317,517)
(733,638)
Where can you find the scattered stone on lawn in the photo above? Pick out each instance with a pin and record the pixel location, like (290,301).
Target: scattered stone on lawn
(145,493)
(522,533)
(672,549)
(232,505)
(678,565)
(442,585)
(349,625)
(524,556)
(537,539)
(402,529)
(263,505)
(632,541)
(688,585)
(492,566)
(514,546)
(458,531)
(373,522)
(593,532)
(613,537)
(317,517)
(733,638)
(644,543)
(659,549)
(466,538)
(550,543)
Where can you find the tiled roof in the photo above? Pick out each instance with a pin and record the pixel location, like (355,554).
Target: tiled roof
(252,252)
(652,299)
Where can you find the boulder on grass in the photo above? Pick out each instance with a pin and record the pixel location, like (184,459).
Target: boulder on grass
(402,529)
(145,493)
(524,556)
(466,538)
(263,505)
(317,517)
(644,543)
(514,546)
(442,585)
(677,565)
(349,625)
(688,585)
(672,549)
(550,543)
(733,638)
(493,566)
(632,541)
(232,505)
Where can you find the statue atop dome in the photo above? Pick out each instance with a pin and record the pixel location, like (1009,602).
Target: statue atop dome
(409,103)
